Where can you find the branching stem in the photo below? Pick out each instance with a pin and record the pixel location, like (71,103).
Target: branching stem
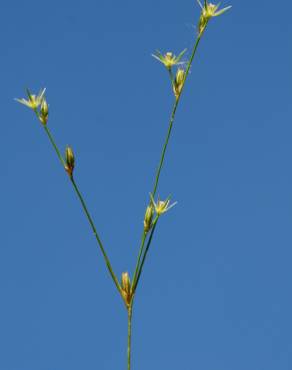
(172,117)
(143,252)
(84,207)
(139,264)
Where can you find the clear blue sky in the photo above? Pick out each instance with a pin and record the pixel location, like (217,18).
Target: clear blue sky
(216,293)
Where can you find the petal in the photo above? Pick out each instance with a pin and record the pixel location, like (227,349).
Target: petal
(41,94)
(178,58)
(201,6)
(222,11)
(172,205)
(160,59)
(28,93)
(24,102)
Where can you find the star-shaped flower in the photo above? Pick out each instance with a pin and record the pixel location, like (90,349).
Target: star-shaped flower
(161,206)
(169,59)
(209,11)
(34,101)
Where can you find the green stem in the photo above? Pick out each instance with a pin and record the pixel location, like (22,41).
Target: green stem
(171,76)
(139,267)
(145,253)
(143,239)
(108,264)
(54,145)
(110,269)
(129,336)
(172,117)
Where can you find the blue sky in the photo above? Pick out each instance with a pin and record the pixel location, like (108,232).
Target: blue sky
(216,292)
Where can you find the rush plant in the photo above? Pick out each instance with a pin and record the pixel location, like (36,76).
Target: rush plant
(178,72)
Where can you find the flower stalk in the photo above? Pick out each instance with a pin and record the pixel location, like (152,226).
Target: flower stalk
(69,165)
(155,209)
(129,342)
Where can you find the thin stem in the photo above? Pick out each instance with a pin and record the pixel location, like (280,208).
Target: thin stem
(108,264)
(171,76)
(143,239)
(54,145)
(129,336)
(172,117)
(145,253)
(110,269)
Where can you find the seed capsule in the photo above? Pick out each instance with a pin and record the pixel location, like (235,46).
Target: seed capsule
(44,112)
(70,161)
(126,288)
(148,218)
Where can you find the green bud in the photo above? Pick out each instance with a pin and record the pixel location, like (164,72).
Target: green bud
(126,288)
(202,23)
(148,218)
(70,161)
(178,82)
(44,112)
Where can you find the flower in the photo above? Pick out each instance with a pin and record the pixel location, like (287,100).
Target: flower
(34,101)
(161,206)
(209,11)
(169,59)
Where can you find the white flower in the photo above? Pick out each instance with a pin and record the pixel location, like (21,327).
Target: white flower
(209,11)
(161,206)
(34,101)
(169,59)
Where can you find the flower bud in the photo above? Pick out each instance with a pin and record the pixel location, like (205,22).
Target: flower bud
(44,112)
(148,218)
(178,82)
(126,288)
(70,161)
(126,284)
(202,23)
